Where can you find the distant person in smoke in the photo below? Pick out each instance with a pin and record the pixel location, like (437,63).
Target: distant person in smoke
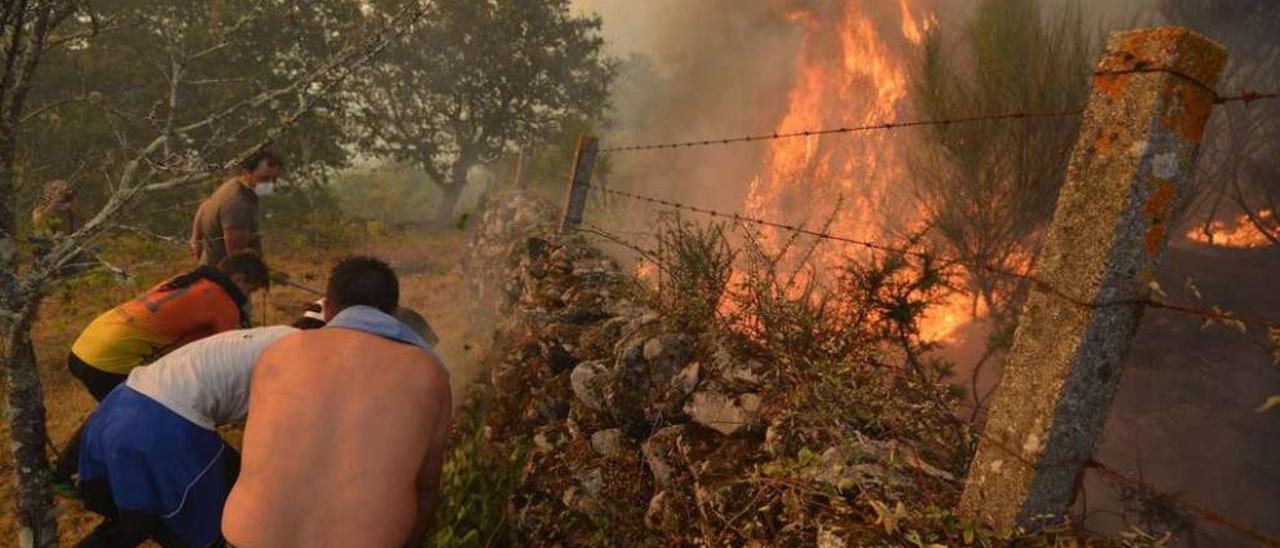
(347,428)
(228,221)
(183,309)
(57,212)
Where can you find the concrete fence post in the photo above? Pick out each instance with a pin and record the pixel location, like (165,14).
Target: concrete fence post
(584,160)
(1152,94)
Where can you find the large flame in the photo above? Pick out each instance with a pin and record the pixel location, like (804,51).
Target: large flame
(851,71)
(1239,233)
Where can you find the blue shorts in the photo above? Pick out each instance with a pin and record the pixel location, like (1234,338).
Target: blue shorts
(157,463)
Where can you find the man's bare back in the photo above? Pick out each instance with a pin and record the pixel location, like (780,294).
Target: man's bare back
(343,446)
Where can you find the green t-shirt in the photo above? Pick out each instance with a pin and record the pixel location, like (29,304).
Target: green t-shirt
(233,206)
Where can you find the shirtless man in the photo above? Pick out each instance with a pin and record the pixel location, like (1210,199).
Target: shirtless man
(347,427)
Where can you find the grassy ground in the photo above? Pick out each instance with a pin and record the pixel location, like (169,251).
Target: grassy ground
(430,282)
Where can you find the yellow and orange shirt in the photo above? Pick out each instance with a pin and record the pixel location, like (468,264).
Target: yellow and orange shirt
(184,309)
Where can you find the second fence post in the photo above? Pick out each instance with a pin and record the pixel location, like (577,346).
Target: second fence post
(1132,164)
(584,160)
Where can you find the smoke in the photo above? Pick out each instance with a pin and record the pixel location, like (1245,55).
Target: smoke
(724,68)
(716,68)
(695,70)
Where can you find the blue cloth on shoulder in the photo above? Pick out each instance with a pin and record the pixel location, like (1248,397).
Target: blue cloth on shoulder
(376,322)
(368,319)
(157,462)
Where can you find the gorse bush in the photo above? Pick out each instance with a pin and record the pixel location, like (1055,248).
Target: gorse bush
(476,480)
(695,264)
(751,391)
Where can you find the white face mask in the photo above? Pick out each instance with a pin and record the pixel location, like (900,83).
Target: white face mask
(265,188)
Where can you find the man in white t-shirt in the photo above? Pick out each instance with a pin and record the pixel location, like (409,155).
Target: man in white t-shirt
(152,462)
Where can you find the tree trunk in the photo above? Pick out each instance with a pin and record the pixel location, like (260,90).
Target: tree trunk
(37,526)
(33,503)
(452,191)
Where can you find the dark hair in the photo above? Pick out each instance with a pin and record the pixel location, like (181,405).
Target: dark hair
(362,281)
(251,163)
(248,264)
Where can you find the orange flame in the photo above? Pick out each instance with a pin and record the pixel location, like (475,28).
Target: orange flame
(1239,233)
(850,72)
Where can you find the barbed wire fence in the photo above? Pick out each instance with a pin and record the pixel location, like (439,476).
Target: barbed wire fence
(619,237)
(1208,315)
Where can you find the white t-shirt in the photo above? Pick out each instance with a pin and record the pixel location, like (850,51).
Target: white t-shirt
(207,381)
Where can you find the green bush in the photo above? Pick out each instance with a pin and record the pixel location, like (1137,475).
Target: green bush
(475,484)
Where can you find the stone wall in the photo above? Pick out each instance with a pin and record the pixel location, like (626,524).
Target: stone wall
(634,432)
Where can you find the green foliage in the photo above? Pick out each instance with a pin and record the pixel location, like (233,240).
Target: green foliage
(111,92)
(697,263)
(477,479)
(304,219)
(479,79)
(390,194)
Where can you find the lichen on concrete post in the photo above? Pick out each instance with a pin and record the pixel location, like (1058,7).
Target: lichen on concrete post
(584,160)
(1152,94)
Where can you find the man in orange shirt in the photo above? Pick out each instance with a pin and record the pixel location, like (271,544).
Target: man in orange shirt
(195,305)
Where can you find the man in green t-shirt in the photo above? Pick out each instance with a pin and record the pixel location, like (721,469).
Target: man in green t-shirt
(227,222)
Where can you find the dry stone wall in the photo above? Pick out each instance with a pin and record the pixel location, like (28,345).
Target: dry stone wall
(632,432)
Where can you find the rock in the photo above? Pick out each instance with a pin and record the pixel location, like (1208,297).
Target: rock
(551,409)
(723,413)
(686,381)
(536,247)
(638,323)
(641,394)
(662,515)
(747,374)
(609,443)
(593,483)
(505,377)
(667,354)
(666,402)
(658,451)
(581,315)
(543,444)
(628,393)
(589,381)
(558,357)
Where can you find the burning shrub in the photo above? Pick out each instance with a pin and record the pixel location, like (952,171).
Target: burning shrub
(738,401)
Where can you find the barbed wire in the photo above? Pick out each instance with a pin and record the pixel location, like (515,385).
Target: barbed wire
(1208,314)
(881,126)
(1200,511)
(1116,475)
(647,254)
(1245,97)
(1158,493)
